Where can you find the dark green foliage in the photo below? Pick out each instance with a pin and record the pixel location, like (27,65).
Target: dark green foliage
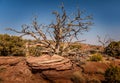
(35,51)
(92,51)
(11,45)
(112,74)
(113,49)
(96,57)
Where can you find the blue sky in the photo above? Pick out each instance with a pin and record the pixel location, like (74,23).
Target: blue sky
(106,14)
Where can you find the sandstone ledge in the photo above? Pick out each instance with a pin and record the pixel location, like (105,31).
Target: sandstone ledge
(45,62)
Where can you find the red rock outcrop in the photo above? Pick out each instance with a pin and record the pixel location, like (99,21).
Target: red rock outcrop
(54,68)
(15,70)
(45,62)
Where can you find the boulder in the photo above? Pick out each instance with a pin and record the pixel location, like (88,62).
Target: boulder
(47,62)
(56,69)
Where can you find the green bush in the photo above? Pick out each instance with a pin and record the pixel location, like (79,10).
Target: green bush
(112,74)
(11,45)
(113,49)
(96,57)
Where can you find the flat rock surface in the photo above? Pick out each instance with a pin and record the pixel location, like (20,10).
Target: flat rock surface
(94,67)
(10,60)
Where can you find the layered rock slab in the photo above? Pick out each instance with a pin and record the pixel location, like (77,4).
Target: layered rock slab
(54,68)
(45,62)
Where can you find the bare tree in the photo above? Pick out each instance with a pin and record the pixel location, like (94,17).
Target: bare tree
(61,32)
(105,41)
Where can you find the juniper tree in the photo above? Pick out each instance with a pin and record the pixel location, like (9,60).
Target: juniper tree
(62,31)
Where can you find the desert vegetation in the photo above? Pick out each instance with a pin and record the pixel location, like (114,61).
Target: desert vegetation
(113,49)
(56,54)
(11,45)
(112,74)
(85,65)
(62,31)
(96,57)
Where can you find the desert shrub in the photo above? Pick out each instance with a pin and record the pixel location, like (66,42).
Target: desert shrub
(77,77)
(113,49)
(96,57)
(75,47)
(11,45)
(112,74)
(35,51)
(93,51)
